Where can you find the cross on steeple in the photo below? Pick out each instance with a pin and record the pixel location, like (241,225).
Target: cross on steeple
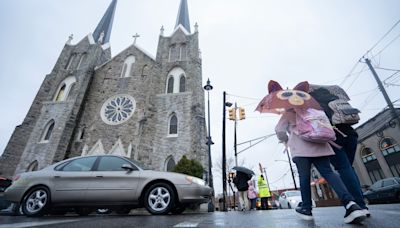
(135,37)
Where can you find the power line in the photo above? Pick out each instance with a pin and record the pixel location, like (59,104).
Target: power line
(388,69)
(390,43)
(383,37)
(250,98)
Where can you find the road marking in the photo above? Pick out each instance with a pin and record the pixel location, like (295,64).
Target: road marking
(31,224)
(187,224)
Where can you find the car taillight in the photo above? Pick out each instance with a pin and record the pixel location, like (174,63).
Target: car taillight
(16,177)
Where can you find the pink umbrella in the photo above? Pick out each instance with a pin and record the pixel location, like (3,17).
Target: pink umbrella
(278,99)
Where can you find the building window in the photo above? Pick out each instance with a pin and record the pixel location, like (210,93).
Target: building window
(145,70)
(176,81)
(170,164)
(64,89)
(367,155)
(81,61)
(70,61)
(33,166)
(173,125)
(118,109)
(182,84)
(170,86)
(128,67)
(48,130)
(60,94)
(183,51)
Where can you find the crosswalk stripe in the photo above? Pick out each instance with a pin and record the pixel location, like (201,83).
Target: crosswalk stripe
(187,224)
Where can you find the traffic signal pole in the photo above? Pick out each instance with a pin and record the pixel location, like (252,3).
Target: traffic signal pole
(235,136)
(224,153)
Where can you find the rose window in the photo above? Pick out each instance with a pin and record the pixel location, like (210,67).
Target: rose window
(118,109)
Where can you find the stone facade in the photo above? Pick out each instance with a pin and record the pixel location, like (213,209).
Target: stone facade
(78,125)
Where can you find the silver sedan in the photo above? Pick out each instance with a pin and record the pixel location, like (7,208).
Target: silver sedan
(105,181)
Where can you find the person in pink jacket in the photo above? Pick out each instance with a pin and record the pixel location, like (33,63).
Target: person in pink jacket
(252,194)
(305,153)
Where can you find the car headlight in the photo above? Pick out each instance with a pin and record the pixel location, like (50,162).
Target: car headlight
(195,180)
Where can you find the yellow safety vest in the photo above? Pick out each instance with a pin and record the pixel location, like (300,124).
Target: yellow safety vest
(263,188)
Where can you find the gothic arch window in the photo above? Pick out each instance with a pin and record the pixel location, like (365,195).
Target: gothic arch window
(173,125)
(47,132)
(176,81)
(127,69)
(64,89)
(386,143)
(170,85)
(33,166)
(70,61)
(182,84)
(170,164)
(183,52)
(145,70)
(81,59)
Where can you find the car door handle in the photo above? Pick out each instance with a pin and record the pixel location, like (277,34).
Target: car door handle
(99,176)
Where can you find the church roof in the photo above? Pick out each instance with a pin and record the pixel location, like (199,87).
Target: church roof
(183,16)
(105,24)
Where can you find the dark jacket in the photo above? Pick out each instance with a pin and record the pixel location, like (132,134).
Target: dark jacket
(240,181)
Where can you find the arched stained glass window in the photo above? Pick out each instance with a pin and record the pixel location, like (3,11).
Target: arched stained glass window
(170,87)
(173,125)
(128,68)
(48,130)
(182,84)
(170,164)
(60,94)
(33,166)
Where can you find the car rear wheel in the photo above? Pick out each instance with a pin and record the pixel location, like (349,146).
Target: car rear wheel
(159,199)
(36,202)
(289,206)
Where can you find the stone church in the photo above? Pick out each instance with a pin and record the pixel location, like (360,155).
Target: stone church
(133,104)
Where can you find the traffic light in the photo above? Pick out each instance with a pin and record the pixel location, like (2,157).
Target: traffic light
(242,114)
(232,114)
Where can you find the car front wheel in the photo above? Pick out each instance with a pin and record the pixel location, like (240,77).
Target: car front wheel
(159,199)
(36,202)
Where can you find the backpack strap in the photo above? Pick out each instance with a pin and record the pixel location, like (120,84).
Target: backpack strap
(339,131)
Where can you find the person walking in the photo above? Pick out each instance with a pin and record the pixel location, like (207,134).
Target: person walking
(346,138)
(252,194)
(263,191)
(240,181)
(305,153)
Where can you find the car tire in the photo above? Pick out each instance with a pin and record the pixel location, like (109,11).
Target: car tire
(36,202)
(289,206)
(178,209)
(83,211)
(159,199)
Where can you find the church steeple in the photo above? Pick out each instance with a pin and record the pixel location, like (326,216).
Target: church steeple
(183,16)
(103,30)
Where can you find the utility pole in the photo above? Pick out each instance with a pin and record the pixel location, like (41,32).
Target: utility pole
(382,89)
(235,137)
(224,153)
(291,169)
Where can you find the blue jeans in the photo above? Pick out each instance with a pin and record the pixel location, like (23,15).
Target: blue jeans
(324,167)
(341,162)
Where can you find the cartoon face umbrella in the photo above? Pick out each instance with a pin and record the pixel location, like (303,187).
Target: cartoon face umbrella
(278,99)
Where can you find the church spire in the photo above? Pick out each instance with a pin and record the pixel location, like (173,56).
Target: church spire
(183,16)
(103,30)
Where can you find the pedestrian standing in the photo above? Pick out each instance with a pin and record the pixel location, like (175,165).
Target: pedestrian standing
(252,194)
(264,192)
(240,181)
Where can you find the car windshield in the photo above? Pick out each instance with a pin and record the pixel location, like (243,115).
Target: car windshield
(294,193)
(139,164)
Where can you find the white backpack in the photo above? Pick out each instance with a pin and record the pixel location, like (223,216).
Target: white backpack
(343,112)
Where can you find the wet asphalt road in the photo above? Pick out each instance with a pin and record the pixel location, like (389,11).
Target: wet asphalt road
(382,216)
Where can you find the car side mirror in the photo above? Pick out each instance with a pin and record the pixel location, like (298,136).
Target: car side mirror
(127,167)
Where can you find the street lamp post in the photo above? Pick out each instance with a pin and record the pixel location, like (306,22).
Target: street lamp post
(209,87)
(224,150)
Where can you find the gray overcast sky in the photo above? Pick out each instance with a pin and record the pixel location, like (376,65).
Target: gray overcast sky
(244,44)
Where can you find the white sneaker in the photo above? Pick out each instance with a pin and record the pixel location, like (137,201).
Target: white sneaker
(354,214)
(366,212)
